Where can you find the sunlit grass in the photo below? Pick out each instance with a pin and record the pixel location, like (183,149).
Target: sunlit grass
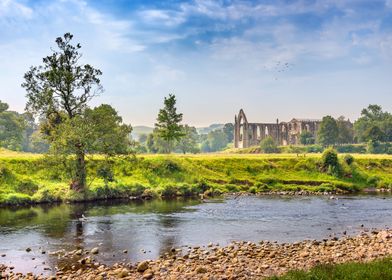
(375,270)
(29,177)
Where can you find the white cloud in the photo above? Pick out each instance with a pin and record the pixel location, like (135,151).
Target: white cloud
(13,9)
(388,3)
(162,17)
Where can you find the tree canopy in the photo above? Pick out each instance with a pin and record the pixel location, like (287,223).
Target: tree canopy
(59,92)
(328,131)
(374,124)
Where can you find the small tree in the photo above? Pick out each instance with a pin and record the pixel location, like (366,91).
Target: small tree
(168,122)
(328,131)
(269,146)
(60,90)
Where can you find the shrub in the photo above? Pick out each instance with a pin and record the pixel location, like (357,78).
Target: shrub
(44,195)
(269,146)
(168,191)
(232,188)
(330,162)
(17,199)
(348,159)
(372,181)
(27,187)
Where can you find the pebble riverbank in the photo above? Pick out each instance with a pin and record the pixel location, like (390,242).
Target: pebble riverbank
(239,260)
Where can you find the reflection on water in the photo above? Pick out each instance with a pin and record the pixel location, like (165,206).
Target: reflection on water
(147,229)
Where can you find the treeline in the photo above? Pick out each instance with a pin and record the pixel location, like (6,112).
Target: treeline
(189,142)
(20,132)
(371,133)
(373,125)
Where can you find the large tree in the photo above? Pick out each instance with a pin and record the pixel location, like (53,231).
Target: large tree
(374,119)
(168,123)
(328,131)
(59,91)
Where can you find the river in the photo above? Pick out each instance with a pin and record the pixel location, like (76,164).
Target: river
(146,229)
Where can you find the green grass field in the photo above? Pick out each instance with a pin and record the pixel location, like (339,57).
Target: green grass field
(375,270)
(26,178)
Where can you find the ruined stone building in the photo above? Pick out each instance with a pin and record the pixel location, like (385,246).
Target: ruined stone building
(284,133)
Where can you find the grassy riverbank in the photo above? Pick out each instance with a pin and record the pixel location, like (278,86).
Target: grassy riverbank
(375,270)
(26,178)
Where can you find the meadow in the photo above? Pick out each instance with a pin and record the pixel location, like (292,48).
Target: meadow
(31,178)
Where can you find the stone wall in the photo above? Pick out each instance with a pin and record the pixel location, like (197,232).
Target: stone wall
(284,133)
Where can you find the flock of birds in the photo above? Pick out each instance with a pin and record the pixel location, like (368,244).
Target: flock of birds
(280,67)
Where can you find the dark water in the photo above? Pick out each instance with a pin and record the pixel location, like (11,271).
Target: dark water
(157,226)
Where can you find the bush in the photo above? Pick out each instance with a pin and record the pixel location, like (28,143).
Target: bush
(348,159)
(330,162)
(17,199)
(27,187)
(372,181)
(168,191)
(44,195)
(269,146)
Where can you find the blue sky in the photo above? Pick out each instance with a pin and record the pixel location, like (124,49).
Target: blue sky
(274,59)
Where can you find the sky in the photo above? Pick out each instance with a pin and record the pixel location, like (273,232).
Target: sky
(273,58)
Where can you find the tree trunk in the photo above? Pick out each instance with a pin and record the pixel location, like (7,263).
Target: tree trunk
(79,182)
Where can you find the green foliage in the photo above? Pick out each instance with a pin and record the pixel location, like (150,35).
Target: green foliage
(351,148)
(348,159)
(345,131)
(269,146)
(217,140)
(228,129)
(47,179)
(374,270)
(12,126)
(306,138)
(328,131)
(16,199)
(374,124)
(372,181)
(59,91)
(188,143)
(168,123)
(330,162)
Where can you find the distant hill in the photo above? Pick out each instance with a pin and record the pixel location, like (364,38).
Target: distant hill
(142,129)
(206,130)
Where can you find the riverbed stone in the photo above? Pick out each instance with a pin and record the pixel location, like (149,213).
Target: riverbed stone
(142,266)
(95,250)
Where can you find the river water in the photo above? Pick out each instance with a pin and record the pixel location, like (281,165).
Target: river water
(147,229)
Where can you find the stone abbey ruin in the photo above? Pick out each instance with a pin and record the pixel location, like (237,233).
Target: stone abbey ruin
(284,133)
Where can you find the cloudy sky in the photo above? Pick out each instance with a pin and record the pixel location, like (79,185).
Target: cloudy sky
(273,58)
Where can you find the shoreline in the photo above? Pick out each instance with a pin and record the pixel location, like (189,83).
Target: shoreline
(238,260)
(297,193)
